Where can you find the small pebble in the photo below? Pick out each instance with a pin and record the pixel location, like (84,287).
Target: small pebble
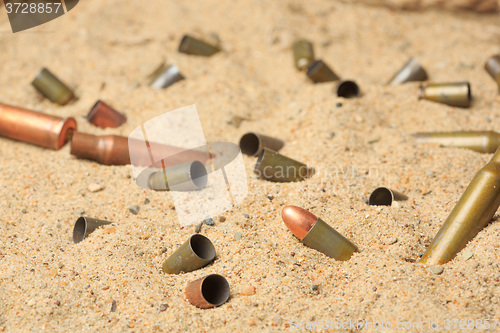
(222,218)
(163,249)
(436,269)
(31,302)
(392,240)
(331,135)
(246,216)
(467,255)
(237,235)
(80,211)
(134,209)
(373,140)
(209,221)
(339,105)
(314,287)
(197,227)
(24,211)
(94,187)
(113,306)
(248,291)
(270,197)
(163,307)
(146,201)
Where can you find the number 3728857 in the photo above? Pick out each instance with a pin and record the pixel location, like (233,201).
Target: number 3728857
(32,8)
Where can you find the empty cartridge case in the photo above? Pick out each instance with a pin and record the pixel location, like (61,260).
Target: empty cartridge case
(275,167)
(34,127)
(253,143)
(193,46)
(303,54)
(52,88)
(197,252)
(317,234)
(492,66)
(103,115)
(167,76)
(383,196)
(318,72)
(411,71)
(190,176)
(208,292)
(473,211)
(453,94)
(347,89)
(84,226)
(480,141)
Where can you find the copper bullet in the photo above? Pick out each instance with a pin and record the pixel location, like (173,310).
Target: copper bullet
(317,234)
(103,115)
(34,127)
(208,292)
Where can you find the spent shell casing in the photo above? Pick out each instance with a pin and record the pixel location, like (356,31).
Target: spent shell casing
(384,196)
(492,66)
(193,46)
(84,226)
(190,176)
(319,72)
(253,143)
(479,141)
(208,292)
(317,234)
(275,167)
(412,71)
(167,77)
(197,252)
(35,127)
(303,54)
(473,211)
(347,89)
(103,115)
(52,88)
(453,94)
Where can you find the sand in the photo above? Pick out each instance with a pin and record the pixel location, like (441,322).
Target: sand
(104,50)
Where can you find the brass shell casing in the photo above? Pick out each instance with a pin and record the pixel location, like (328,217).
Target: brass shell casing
(52,88)
(303,54)
(253,143)
(412,71)
(319,72)
(453,94)
(85,226)
(193,46)
(479,141)
(492,66)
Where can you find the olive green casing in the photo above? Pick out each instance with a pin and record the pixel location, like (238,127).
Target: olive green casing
(319,72)
(52,88)
(193,46)
(492,66)
(479,141)
(275,167)
(190,176)
(198,251)
(303,54)
(85,226)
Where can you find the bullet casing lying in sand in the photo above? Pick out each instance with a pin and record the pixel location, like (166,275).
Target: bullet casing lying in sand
(103,115)
(84,226)
(52,88)
(480,141)
(384,196)
(253,143)
(197,252)
(275,167)
(303,54)
(412,71)
(35,127)
(492,66)
(319,72)
(194,46)
(473,211)
(453,94)
(208,292)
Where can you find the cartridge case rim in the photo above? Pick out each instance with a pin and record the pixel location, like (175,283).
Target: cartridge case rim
(208,292)
(384,196)
(252,143)
(202,246)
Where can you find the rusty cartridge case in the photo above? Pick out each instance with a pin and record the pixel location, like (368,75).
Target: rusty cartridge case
(190,176)
(480,141)
(411,71)
(208,292)
(193,46)
(319,72)
(34,127)
(473,211)
(166,76)
(253,143)
(84,226)
(275,167)
(492,66)
(52,88)
(303,54)
(347,89)
(197,252)
(453,94)
(383,196)
(317,234)
(103,116)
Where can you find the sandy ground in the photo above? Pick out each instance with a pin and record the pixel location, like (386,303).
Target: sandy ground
(104,48)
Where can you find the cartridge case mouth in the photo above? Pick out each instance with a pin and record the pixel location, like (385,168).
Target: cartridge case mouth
(412,71)
(348,89)
(52,88)
(319,72)
(253,143)
(193,46)
(85,226)
(275,167)
(103,115)
(197,252)
(66,132)
(383,196)
(208,292)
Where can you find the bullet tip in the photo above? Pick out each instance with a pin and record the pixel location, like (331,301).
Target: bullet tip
(298,220)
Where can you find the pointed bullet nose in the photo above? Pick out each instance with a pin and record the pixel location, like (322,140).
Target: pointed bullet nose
(298,220)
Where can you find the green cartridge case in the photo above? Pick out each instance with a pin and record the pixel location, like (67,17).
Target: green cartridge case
(303,54)
(193,46)
(253,143)
(492,66)
(383,196)
(327,240)
(84,226)
(197,252)
(453,94)
(275,167)
(473,211)
(411,71)
(319,72)
(52,88)
(480,141)
(190,176)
